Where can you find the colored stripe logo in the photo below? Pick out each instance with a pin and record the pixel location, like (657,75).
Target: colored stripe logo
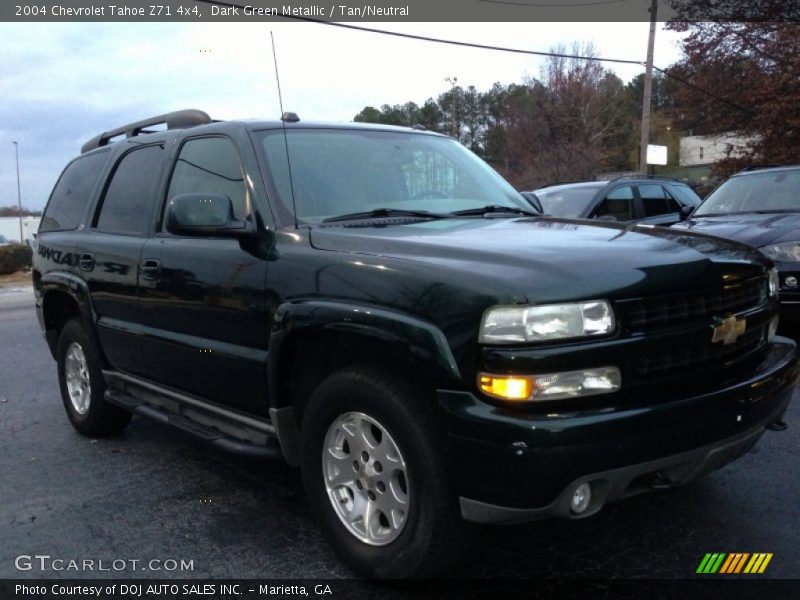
(734,563)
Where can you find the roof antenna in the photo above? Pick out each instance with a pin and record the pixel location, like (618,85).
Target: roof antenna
(284,117)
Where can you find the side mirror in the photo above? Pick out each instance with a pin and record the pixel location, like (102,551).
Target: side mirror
(686,211)
(205,215)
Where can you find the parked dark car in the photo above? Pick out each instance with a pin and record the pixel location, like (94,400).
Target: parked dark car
(380,308)
(761,208)
(644,200)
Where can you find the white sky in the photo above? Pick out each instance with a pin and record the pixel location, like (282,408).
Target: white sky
(61,84)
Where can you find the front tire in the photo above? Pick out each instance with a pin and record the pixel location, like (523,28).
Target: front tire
(82,384)
(374,470)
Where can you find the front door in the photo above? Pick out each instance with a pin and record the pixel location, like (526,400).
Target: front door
(205,327)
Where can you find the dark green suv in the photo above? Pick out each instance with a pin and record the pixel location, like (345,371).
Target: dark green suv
(377,306)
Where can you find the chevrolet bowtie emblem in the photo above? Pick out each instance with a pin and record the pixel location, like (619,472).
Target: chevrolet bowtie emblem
(728,330)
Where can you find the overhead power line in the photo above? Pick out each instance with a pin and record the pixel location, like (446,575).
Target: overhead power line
(697,88)
(425,38)
(554,5)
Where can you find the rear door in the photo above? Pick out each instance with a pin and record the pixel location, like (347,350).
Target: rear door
(658,207)
(109,248)
(206,330)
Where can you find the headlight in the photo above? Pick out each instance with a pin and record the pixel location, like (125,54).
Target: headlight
(514,324)
(786,252)
(774,282)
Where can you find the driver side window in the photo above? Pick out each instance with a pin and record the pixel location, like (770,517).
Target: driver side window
(618,204)
(210,165)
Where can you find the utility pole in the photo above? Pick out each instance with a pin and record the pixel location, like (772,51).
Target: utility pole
(453,81)
(19,194)
(648,90)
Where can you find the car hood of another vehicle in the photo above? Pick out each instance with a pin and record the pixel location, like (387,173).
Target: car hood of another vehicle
(753,229)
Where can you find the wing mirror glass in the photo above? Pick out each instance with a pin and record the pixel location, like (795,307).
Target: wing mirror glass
(205,215)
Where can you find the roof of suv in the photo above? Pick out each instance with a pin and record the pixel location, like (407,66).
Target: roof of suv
(178,121)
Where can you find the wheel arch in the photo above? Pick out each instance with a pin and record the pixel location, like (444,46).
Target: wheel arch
(312,339)
(64,297)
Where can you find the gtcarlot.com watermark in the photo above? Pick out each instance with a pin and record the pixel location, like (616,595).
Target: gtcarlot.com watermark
(45,562)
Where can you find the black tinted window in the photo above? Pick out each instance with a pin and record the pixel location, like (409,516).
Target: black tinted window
(617,204)
(210,165)
(656,200)
(126,205)
(72,192)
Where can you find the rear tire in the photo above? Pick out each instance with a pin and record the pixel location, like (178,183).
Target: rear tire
(374,470)
(82,384)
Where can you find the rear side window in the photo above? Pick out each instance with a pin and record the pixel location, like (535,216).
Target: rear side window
(210,165)
(72,193)
(656,200)
(131,193)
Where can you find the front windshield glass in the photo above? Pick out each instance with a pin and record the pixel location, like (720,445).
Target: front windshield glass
(339,171)
(768,191)
(567,201)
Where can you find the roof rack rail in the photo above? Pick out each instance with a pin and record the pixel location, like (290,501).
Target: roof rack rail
(640,176)
(179,119)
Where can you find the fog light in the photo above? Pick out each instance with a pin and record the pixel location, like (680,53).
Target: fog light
(773,328)
(790,281)
(551,386)
(581,498)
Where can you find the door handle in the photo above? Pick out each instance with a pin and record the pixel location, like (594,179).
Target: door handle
(86,262)
(151,269)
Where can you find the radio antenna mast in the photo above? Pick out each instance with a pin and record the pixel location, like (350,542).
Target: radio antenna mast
(283,123)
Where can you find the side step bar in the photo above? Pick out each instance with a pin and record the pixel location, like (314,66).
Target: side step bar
(219,426)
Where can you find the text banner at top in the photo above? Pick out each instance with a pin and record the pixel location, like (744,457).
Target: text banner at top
(399,10)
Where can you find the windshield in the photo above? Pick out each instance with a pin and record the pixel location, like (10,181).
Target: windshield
(341,172)
(567,201)
(768,191)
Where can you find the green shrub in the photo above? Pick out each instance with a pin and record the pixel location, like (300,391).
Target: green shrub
(14,257)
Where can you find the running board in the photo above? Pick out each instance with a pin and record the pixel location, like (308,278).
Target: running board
(217,425)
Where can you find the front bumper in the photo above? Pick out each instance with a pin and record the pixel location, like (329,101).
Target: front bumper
(514,466)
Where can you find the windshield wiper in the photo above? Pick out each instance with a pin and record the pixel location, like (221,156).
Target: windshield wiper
(490,209)
(379,213)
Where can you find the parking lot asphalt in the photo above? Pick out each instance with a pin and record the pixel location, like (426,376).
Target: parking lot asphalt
(152,493)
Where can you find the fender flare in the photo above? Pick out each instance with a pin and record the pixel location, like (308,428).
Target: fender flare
(77,289)
(423,340)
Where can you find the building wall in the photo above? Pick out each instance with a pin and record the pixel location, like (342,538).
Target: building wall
(9,227)
(703,150)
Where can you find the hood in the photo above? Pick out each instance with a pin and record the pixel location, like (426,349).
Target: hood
(755,230)
(546,259)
